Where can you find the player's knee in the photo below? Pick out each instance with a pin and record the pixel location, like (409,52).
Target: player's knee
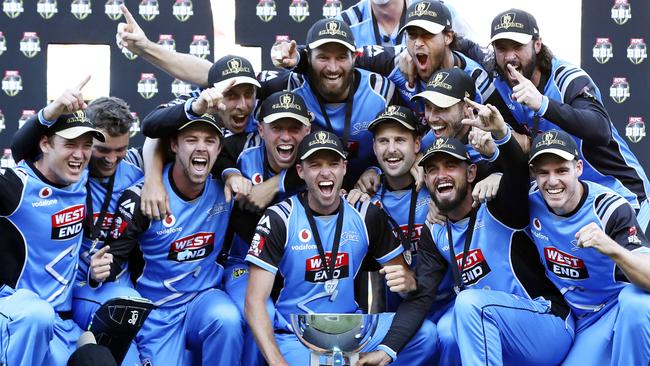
(224,314)
(37,313)
(634,305)
(468,303)
(445,333)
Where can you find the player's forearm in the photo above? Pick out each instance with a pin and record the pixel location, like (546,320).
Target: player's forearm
(636,266)
(153,155)
(260,323)
(182,66)
(583,118)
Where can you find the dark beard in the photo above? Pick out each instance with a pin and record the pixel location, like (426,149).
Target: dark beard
(328,95)
(452,204)
(527,70)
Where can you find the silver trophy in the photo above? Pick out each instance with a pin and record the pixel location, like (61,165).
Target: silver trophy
(335,337)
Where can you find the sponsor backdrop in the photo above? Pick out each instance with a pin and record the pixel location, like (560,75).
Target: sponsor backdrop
(28,26)
(614,53)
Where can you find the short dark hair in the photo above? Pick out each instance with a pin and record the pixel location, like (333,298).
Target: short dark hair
(110,114)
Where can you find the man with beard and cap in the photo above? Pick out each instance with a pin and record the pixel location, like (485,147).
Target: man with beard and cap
(181,275)
(506,309)
(595,253)
(43,206)
(284,122)
(295,238)
(543,92)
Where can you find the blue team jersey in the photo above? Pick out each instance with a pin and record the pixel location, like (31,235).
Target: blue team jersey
(284,242)
(49,220)
(589,280)
(360,19)
(613,166)
(126,175)
(370,98)
(180,251)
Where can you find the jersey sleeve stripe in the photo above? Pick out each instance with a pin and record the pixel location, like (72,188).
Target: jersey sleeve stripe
(390,255)
(260,263)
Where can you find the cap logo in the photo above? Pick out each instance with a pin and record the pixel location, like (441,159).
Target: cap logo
(333,28)
(439,81)
(392,110)
(286,102)
(235,67)
(321,139)
(508,21)
(439,144)
(422,9)
(549,138)
(78,117)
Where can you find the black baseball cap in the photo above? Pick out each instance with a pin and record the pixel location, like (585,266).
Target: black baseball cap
(328,31)
(284,104)
(317,141)
(446,145)
(402,115)
(71,126)
(447,87)
(556,142)
(430,15)
(229,67)
(516,25)
(205,118)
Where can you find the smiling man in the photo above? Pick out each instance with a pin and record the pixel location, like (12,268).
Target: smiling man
(323,226)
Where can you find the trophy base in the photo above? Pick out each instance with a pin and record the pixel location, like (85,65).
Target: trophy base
(334,359)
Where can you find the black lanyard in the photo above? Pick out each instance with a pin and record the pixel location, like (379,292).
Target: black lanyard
(406,242)
(348,112)
(93,229)
(375,27)
(458,282)
(329,270)
(265,165)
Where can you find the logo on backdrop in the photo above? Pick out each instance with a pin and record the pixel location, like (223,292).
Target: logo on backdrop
(12,83)
(183,9)
(637,51)
(635,129)
(180,87)
(135,124)
(266,10)
(112,9)
(2,121)
(299,10)
(148,85)
(621,11)
(167,41)
(602,50)
(620,90)
(24,116)
(13,8)
(46,8)
(3,43)
(30,44)
(200,46)
(81,9)
(332,8)
(149,9)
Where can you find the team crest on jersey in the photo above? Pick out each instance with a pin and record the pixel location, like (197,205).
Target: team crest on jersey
(299,10)
(475,268)
(200,46)
(637,51)
(602,50)
(148,85)
(266,10)
(621,11)
(620,90)
(332,8)
(632,238)
(169,221)
(192,247)
(183,9)
(13,8)
(635,129)
(112,9)
(46,8)
(30,44)
(12,83)
(68,222)
(149,9)
(257,178)
(564,265)
(257,244)
(304,235)
(315,272)
(81,9)
(238,272)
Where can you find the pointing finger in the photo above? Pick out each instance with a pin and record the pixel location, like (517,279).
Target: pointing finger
(83,83)
(127,15)
(516,73)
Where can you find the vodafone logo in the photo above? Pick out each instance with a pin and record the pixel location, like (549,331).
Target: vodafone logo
(45,192)
(304,235)
(169,221)
(537,224)
(257,178)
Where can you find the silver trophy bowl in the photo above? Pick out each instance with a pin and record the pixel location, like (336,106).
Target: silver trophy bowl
(336,337)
